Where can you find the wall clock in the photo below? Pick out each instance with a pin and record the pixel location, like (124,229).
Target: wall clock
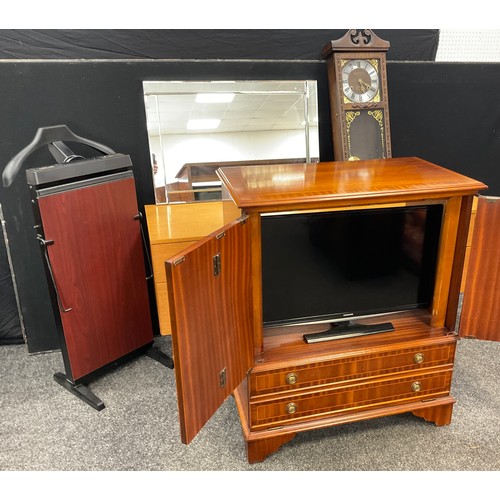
(359,104)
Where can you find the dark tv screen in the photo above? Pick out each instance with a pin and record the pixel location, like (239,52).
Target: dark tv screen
(331,266)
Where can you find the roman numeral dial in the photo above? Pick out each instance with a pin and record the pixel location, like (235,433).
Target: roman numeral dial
(360,80)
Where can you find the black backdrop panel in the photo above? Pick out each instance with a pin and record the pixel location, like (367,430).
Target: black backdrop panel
(444,113)
(102,101)
(10,327)
(447,113)
(406,45)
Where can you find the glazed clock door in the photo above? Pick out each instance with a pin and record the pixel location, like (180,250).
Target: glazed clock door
(360,79)
(210,302)
(365,134)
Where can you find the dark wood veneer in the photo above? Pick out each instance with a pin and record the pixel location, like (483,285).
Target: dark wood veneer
(209,324)
(481,307)
(90,256)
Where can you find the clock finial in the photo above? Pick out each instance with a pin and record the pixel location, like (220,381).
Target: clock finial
(360,37)
(356,39)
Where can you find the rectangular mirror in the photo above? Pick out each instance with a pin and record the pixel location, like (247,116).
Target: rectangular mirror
(196,127)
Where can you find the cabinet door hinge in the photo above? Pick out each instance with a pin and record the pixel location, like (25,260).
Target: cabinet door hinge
(178,261)
(217,264)
(222,378)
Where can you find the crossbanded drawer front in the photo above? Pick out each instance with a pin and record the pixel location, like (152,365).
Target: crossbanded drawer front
(341,370)
(388,391)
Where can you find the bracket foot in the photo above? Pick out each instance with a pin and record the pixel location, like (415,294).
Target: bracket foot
(80,391)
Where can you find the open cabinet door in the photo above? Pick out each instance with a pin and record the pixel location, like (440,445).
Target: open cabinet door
(211,303)
(481,306)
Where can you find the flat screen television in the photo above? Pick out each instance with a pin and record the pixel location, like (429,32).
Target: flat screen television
(345,265)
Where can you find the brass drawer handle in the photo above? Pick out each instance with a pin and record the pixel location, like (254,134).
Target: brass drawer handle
(291,378)
(418,358)
(416,386)
(291,408)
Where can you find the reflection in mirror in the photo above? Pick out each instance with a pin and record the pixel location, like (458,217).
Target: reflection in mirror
(196,127)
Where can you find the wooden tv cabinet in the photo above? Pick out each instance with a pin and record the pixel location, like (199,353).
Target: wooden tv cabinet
(281,384)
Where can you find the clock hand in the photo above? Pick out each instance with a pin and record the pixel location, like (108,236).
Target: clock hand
(364,85)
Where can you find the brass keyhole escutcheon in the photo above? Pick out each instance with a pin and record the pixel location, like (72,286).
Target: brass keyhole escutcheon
(416,386)
(419,357)
(291,378)
(291,408)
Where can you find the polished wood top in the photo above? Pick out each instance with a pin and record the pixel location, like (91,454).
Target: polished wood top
(187,221)
(272,186)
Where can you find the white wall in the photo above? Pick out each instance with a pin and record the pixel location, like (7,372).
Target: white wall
(469,46)
(237,146)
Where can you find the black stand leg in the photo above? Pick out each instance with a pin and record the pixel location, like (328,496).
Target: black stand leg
(80,391)
(85,394)
(164,359)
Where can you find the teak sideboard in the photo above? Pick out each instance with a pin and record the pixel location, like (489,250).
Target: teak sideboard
(281,384)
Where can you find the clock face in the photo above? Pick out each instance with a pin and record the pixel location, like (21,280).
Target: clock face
(360,80)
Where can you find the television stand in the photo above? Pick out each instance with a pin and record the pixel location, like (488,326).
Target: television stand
(346,330)
(281,384)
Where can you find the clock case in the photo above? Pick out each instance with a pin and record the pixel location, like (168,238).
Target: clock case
(361,130)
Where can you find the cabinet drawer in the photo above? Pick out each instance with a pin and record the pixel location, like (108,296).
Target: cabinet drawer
(350,368)
(385,391)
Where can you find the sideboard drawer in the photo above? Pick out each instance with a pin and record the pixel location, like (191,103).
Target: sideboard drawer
(353,397)
(339,370)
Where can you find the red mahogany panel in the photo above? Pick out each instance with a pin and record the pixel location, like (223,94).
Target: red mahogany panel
(481,306)
(98,264)
(210,300)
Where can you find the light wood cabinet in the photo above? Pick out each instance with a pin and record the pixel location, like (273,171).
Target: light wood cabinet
(283,385)
(171,229)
